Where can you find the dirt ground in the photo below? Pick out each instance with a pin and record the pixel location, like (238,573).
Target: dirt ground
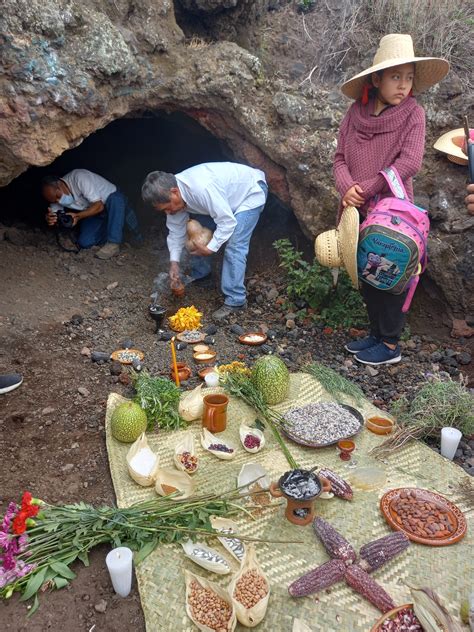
(56,308)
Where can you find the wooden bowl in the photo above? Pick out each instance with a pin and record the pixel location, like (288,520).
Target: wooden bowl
(204,358)
(200,348)
(380,425)
(127,356)
(388,615)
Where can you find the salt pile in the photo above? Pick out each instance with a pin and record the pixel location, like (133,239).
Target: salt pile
(143,462)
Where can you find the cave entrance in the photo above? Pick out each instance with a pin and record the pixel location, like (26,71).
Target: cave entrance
(124,152)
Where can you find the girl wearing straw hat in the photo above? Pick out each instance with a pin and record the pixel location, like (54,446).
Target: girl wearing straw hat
(384,127)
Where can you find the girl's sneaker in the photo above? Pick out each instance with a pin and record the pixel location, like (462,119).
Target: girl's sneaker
(362,344)
(379,354)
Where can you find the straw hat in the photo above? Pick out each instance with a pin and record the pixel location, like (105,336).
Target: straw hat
(338,248)
(394,50)
(453,144)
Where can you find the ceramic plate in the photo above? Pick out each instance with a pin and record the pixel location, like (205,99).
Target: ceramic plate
(313,444)
(127,356)
(253,338)
(456,515)
(198,337)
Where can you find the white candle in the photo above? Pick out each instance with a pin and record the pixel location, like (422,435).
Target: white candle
(450,438)
(119,563)
(211,379)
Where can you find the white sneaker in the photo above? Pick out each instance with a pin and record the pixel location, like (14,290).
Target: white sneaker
(9,382)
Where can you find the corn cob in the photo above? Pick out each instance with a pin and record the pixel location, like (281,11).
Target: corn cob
(339,486)
(318,578)
(375,554)
(333,542)
(360,581)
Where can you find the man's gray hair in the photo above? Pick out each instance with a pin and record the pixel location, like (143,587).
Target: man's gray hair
(157,186)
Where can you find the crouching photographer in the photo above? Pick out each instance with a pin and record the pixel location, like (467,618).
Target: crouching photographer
(93,204)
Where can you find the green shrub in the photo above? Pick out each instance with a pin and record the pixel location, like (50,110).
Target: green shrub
(312,283)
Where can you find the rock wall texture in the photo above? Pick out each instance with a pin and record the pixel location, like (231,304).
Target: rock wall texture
(71,67)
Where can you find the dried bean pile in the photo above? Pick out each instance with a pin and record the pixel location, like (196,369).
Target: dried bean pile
(403,621)
(421,517)
(189,461)
(250,589)
(208,608)
(321,423)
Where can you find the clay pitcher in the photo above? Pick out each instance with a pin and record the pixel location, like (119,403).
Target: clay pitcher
(300,511)
(214,416)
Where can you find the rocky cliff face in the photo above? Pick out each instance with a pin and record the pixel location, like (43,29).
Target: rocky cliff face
(72,67)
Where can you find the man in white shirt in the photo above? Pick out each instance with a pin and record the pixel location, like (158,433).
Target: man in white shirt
(225,196)
(94,204)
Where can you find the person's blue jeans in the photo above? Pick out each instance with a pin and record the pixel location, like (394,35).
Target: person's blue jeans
(235,255)
(108,225)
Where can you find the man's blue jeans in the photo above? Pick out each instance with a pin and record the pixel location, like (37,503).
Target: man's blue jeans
(108,225)
(235,255)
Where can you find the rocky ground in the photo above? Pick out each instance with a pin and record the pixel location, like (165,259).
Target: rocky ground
(59,309)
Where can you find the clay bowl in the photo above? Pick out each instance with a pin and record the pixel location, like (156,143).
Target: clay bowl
(389,615)
(203,372)
(380,425)
(204,358)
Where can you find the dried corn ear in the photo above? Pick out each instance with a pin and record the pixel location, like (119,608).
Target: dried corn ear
(375,554)
(318,578)
(363,583)
(339,486)
(333,542)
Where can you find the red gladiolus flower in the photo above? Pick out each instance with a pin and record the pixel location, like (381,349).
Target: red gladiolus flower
(26,500)
(19,523)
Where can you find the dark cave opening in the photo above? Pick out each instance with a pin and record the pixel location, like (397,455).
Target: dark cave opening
(124,152)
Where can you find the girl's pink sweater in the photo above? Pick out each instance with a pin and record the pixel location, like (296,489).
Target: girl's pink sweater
(368,143)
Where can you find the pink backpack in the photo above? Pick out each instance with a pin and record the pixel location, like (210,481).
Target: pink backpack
(392,242)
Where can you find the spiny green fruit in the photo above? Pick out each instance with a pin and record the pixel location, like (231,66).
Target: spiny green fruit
(128,422)
(271,378)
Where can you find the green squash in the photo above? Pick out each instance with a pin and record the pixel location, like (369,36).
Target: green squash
(271,378)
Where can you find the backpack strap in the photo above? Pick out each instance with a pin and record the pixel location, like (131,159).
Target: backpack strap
(395,183)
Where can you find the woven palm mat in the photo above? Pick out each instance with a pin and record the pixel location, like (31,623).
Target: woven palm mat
(160,577)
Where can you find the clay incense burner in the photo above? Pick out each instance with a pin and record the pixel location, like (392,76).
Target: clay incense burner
(300,488)
(157,313)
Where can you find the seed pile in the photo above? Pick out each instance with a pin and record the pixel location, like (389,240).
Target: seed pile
(220,447)
(189,461)
(208,608)
(251,441)
(127,355)
(403,621)
(323,422)
(250,589)
(190,335)
(208,556)
(421,517)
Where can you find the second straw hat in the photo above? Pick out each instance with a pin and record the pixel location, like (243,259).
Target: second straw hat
(338,247)
(453,144)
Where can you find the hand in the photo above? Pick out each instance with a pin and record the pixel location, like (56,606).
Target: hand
(174,273)
(470,199)
(75,218)
(353,197)
(202,251)
(51,218)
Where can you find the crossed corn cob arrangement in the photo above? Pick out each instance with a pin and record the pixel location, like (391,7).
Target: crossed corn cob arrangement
(344,565)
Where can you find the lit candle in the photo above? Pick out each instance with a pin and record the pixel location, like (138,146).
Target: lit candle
(175,364)
(450,438)
(119,564)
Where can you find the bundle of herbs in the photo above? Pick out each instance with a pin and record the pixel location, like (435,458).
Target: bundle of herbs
(335,384)
(159,398)
(240,385)
(435,405)
(37,554)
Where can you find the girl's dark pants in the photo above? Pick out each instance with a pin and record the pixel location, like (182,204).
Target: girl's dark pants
(385,313)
